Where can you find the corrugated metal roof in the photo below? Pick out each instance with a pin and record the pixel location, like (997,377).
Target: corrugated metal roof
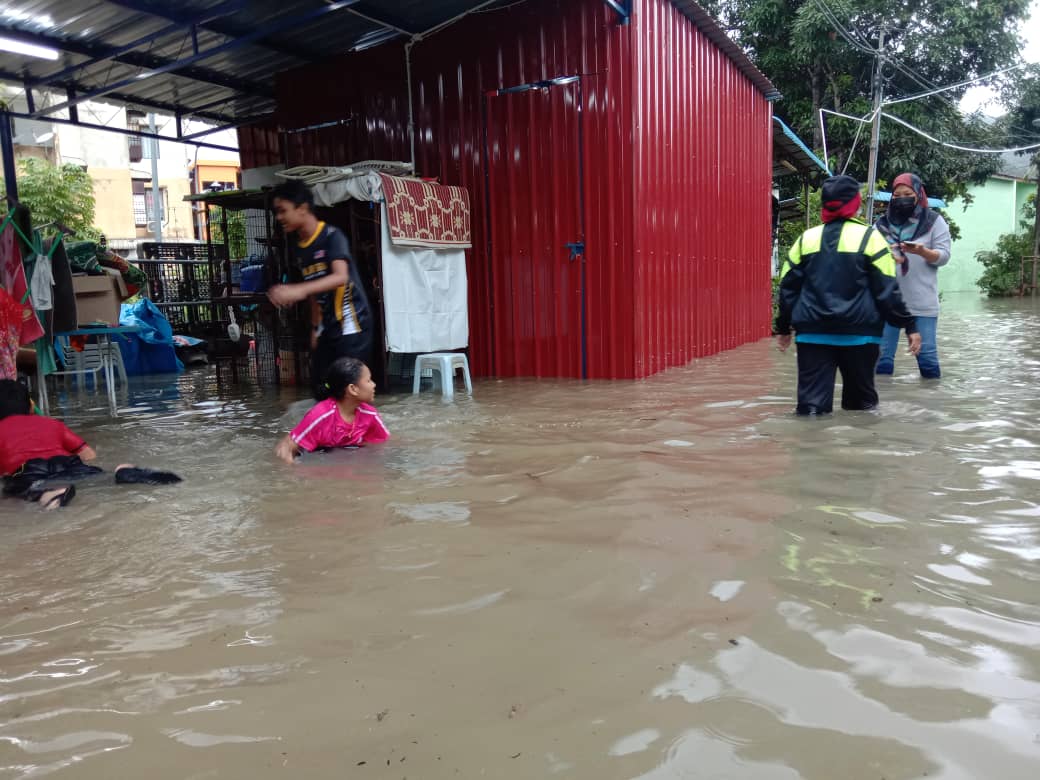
(789,148)
(251,42)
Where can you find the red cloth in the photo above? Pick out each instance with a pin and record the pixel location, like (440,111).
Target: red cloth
(27,436)
(324,427)
(424,214)
(838,210)
(12,278)
(10,334)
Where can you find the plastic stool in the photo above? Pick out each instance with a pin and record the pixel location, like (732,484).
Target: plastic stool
(445,364)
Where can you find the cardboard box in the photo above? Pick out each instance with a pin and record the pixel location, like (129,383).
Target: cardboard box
(121,287)
(97,299)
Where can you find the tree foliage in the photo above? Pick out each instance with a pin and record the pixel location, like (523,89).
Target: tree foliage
(798,45)
(58,193)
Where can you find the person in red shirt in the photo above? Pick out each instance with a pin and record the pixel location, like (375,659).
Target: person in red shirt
(36,449)
(345,419)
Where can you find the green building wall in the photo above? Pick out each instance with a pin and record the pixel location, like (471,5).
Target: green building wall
(996,209)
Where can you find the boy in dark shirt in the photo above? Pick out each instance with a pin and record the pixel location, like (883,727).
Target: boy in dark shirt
(341,320)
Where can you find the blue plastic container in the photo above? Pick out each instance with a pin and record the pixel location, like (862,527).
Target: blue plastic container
(253,279)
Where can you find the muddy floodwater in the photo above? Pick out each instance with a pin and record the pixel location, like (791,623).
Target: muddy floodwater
(673,578)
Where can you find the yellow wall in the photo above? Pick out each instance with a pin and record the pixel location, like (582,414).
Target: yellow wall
(114,202)
(216,170)
(178,214)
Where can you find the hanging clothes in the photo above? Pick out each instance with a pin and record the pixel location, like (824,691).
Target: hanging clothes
(12,279)
(10,335)
(41,283)
(65,314)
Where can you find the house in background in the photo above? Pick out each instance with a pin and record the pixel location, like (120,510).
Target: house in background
(997,209)
(121,168)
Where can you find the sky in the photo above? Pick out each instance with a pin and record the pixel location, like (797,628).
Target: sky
(983,97)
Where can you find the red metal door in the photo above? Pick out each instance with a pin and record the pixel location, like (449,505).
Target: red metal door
(535,208)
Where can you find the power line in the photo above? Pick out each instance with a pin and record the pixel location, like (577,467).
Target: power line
(959,147)
(969,82)
(852,39)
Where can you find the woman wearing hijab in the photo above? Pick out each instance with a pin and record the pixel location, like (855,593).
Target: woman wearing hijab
(920,242)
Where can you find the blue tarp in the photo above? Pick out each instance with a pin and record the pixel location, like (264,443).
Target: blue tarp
(149,351)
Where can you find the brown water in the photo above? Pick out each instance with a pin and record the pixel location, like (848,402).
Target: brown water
(673,578)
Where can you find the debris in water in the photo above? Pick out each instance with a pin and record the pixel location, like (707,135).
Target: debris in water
(734,642)
(381,715)
(516,756)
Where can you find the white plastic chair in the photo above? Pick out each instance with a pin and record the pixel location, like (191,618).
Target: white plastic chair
(445,364)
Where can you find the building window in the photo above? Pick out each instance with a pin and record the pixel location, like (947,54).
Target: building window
(135,121)
(143,204)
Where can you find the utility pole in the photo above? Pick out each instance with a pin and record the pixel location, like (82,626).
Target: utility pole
(157,198)
(875,128)
(1036,219)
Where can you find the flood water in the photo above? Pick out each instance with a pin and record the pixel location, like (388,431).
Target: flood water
(673,578)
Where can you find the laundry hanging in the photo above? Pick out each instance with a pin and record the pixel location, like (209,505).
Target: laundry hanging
(12,279)
(10,333)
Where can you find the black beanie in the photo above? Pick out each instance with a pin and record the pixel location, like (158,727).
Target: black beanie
(841,189)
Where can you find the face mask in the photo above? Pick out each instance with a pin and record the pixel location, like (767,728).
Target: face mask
(901,208)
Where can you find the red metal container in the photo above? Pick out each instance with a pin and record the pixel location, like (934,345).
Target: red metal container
(619,174)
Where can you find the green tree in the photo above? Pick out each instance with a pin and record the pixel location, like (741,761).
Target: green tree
(58,193)
(798,45)
(236,237)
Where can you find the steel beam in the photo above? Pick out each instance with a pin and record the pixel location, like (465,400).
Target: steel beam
(280,24)
(7,152)
(136,59)
(226,28)
(121,131)
(190,137)
(200,112)
(369,12)
(114,53)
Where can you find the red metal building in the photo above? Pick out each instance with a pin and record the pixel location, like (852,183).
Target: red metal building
(619,173)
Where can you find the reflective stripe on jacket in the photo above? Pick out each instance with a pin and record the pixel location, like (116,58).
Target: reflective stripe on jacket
(840,278)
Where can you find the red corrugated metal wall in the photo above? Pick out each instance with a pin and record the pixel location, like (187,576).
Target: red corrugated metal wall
(673,232)
(532,42)
(702,179)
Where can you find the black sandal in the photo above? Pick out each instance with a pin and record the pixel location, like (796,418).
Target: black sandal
(131,475)
(63,498)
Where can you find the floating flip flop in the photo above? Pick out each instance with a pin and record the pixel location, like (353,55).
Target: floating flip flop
(131,475)
(62,499)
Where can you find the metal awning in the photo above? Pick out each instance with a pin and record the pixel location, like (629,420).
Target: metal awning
(216,60)
(792,156)
(885,197)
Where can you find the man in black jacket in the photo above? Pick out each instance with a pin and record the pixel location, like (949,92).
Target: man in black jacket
(837,290)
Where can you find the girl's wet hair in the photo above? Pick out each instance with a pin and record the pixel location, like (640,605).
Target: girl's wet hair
(343,373)
(14,398)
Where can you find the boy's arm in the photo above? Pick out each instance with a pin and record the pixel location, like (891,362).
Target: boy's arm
(288,294)
(74,445)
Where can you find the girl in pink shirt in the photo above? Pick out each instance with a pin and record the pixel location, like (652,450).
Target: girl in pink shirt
(345,419)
